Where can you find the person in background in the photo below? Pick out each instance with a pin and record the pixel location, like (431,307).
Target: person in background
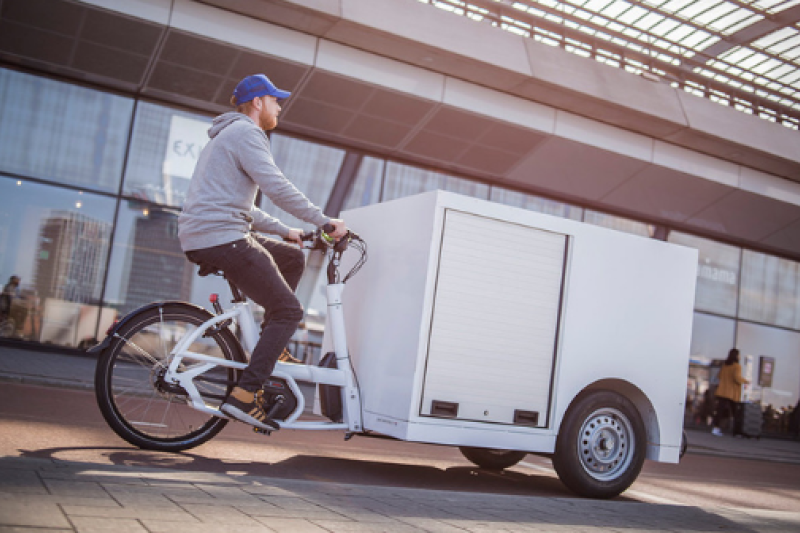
(11,291)
(729,391)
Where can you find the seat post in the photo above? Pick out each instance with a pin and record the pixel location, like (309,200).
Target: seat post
(238,297)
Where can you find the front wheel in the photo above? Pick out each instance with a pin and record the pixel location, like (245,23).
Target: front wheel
(138,404)
(492,459)
(601,446)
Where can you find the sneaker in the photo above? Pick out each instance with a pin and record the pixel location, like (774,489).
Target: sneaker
(287,357)
(716,432)
(248,407)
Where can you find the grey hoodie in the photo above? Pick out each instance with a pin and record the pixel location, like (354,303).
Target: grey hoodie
(235,163)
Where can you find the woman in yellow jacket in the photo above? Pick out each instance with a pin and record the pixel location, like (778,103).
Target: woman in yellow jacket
(729,391)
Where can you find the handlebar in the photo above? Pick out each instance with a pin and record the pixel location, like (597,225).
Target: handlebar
(319,233)
(321,240)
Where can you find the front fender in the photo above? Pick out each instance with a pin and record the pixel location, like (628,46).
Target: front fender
(98,349)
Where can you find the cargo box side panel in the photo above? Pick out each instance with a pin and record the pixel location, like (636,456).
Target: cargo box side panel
(628,313)
(385,306)
(495,320)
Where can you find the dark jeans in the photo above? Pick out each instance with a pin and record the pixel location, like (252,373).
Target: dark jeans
(726,408)
(268,272)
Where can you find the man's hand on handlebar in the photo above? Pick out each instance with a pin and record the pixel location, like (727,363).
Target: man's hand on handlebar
(340,229)
(295,236)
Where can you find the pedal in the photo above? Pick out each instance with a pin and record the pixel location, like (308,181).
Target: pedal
(279,399)
(264,432)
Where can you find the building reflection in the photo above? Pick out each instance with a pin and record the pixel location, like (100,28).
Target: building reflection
(156,268)
(63,306)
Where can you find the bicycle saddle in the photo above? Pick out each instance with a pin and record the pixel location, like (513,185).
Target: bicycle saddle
(206,269)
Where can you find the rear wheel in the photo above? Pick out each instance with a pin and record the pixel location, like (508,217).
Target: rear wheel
(492,459)
(601,446)
(138,404)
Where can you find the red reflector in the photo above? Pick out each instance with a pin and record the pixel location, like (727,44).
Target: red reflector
(111,327)
(213,298)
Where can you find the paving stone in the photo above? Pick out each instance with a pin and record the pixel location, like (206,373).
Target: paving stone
(292,503)
(230,496)
(269,490)
(104,501)
(14,513)
(91,524)
(219,515)
(394,526)
(94,476)
(431,525)
(143,500)
(21,481)
(155,526)
(293,525)
(322,514)
(22,529)
(175,514)
(24,463)
(83,489)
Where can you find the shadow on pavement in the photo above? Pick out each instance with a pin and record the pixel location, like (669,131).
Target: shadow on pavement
(334,470)
(165,477)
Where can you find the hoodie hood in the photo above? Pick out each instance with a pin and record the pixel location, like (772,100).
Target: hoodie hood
(223,121)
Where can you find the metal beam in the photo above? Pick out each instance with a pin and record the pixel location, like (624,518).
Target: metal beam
(754,32)
(344,182)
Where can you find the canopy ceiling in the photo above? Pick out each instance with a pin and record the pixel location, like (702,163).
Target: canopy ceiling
(741,53)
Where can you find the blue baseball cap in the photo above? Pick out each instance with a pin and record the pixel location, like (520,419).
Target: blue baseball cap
(255,86)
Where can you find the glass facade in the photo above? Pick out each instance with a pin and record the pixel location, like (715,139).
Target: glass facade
(312,167)
(88,220)
(56,240)
(535,203)
(404,180)
(770,290)
(62,133)
(717,273)
(164,148)
(618,223)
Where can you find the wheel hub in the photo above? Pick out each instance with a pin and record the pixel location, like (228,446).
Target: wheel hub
(605,444)
(162,386)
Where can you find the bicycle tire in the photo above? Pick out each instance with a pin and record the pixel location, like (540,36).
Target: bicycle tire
(149,413)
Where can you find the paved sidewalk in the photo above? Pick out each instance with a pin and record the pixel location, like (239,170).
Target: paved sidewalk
(77,371)
(38,495)
(49,495)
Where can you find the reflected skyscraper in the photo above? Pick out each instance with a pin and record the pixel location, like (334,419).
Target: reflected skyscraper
(158,269)
(71,257)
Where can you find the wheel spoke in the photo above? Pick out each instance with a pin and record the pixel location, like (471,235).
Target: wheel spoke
(141,406)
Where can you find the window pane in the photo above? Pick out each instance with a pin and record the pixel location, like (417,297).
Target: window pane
(756,341)
(717,273)
(312,168)
(712,337)
(618,223)
(770,290)
(164,149)
(147,263)
(535,203)
(56,240)
(60,132)
(404,180)
(366,187)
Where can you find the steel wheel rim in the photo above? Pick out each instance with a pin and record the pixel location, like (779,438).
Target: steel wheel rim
(606,444)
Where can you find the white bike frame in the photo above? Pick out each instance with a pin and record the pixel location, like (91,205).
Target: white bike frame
(241,312)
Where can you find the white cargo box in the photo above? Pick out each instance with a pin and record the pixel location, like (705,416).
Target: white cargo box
(477,324)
